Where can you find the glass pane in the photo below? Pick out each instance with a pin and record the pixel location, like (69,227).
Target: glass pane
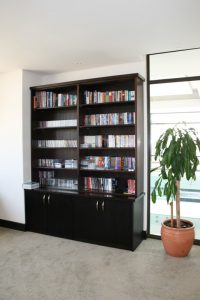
(175,64)
(170,104)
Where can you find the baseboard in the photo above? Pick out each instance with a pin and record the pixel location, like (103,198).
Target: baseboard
(144,235)
(12,225)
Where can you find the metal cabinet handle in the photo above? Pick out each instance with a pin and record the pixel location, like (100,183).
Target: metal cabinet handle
(43,199)
(48,199)
(102,206)
(97,205)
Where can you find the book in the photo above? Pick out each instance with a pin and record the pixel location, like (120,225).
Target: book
(131,141)
(30,185)
(131,186)
(35,102)
(111,141)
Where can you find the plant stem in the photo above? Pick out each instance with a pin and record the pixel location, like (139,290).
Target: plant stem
(178,223)
(172,214)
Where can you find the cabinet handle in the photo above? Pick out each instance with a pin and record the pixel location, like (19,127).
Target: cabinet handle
(97,205)
(102,206)
(49,200)
(43,199)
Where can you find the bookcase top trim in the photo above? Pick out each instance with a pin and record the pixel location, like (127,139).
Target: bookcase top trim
(97,80)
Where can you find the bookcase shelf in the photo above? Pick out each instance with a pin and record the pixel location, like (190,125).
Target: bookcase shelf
(113,99)
(58,127)
(54,148)
(108,171)
(102,203)
(107,126)
(94,193)
(107,104)
(90,149)
(55,108)
(57,169)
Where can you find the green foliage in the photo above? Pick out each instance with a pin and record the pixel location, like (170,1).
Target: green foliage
(176,150)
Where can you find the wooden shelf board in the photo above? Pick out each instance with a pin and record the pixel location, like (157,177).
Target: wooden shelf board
(53,168)
(58,127)
(55,108)
(54,148)
(106,126)
(94,105)
(108,148)
(107,171)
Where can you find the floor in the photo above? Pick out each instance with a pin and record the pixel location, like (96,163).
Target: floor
(39,267)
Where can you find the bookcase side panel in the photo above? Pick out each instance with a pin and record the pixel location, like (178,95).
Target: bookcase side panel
(139,138)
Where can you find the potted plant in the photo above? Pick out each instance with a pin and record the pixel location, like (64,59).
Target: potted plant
(176,151)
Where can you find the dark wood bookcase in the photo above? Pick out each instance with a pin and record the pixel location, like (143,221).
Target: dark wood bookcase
(90,191)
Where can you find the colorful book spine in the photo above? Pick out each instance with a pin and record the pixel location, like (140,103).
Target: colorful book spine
(95,97)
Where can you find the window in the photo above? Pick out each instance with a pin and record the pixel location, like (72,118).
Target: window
(171,102)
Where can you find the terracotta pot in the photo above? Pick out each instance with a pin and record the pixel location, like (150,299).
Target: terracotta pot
(177,241)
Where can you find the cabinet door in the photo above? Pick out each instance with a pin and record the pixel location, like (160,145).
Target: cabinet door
(88,219)
(59,215)
(123,218)
(117,218)
(35,211)
(104,221)
(107,224)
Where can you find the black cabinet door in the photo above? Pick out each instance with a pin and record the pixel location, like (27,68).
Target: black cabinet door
(107,211)
(59,215)
(117,219)
(88,223)
(99,220)
(123,219)
(104,221)
(35,211)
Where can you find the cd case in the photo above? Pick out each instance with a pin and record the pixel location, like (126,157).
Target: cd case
(30,185)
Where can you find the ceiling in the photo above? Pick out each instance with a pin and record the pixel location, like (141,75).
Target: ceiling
(62,35)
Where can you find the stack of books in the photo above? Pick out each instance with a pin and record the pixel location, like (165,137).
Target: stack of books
(108,163)
(55,143)
(109,141)
(46,99)
(30,185)
(100,184)
(93,97)
(109,119)
(56,123)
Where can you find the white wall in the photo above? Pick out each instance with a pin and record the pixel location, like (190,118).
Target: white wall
(139,67)
(29,79)
(11,160)
(15,141)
